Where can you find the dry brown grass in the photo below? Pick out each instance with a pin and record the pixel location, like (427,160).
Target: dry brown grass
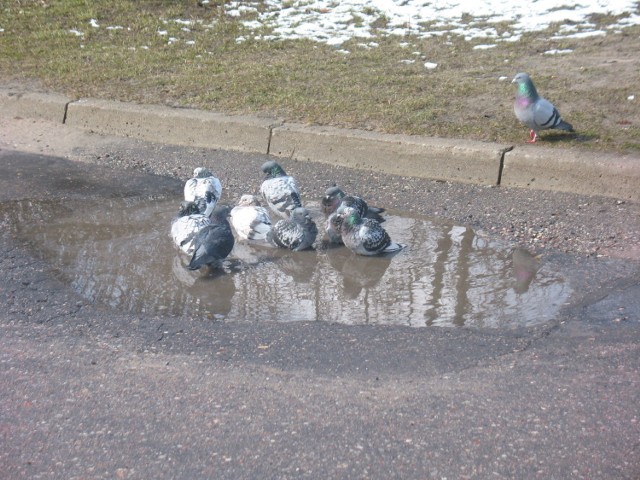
(306,82)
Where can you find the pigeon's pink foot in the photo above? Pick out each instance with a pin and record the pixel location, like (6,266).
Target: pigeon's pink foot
(533,136)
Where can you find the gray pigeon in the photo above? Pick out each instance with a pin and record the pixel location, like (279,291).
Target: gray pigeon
(295,233)
(214,242)
(534,111)
(365,236)
(334,197)
(333,229)
(279,190)
(202,183)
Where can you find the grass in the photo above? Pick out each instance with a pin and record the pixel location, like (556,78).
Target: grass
(303,81)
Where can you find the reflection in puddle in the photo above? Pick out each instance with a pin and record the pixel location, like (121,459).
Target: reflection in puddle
(118,252)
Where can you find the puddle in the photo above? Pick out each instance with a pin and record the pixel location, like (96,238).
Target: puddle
(118,252)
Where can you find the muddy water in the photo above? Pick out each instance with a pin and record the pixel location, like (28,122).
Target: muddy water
(118,252)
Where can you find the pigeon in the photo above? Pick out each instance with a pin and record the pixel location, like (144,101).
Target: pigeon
(333,229)
(203,181)
(279,190)
(295,233)
(250,220)
(214,242)
(186,225)
(534,111)
(334,197)
(365,236)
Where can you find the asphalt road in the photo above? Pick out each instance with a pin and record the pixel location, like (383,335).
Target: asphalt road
(88,392)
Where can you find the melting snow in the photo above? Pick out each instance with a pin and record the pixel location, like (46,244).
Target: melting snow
(555,51)
(332,22)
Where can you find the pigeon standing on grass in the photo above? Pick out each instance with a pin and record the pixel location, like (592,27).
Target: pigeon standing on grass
(214,242)
(534,111)
(250,220)
(365,236)
(279,190)
(202,182)
(295,233)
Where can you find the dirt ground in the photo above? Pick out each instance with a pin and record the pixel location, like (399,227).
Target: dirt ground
(92,392)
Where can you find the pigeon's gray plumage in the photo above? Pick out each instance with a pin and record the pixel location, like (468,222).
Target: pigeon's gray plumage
(364,210)
(333,229)
(250,220)
(334,197)
(365,236)
(279,190)
(534,111)
(186,225)
(295,233)
(214,242)
(203,182)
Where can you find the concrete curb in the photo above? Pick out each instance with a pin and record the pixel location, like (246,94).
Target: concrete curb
(587,173)
(46,106)
(436,158)
(590,173)
(171,125)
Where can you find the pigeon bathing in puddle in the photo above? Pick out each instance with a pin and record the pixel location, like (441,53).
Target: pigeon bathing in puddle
(334,197)
(187,224)
(279,190)
(214,242)
(365,236)
(202,182)
(534,111)
(333,229)
(249,219)
(295,233)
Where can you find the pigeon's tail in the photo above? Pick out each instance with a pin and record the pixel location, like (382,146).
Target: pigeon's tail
(394,247)
(567,127)
(376,210)
(373,215)
(260,231)
(196,262)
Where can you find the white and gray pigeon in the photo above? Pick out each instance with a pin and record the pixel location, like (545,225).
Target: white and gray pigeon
(295,233)
(214,242)
(202,182)
(279,190)
(249,219)
(187,224)
(535,111)
(335,196)
(365,236)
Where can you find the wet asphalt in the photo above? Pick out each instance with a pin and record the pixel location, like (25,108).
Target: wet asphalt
(91,392)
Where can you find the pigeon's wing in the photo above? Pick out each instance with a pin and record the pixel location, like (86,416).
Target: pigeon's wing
(286,234)
(184,230)
(374,237)
(260,225)
(333,227)
(211,244)
(190,189)
(209,184)
(309,233)
(545,115)
(281,194)
(250,222)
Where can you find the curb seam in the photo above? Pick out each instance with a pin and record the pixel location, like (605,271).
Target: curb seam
(503,153)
